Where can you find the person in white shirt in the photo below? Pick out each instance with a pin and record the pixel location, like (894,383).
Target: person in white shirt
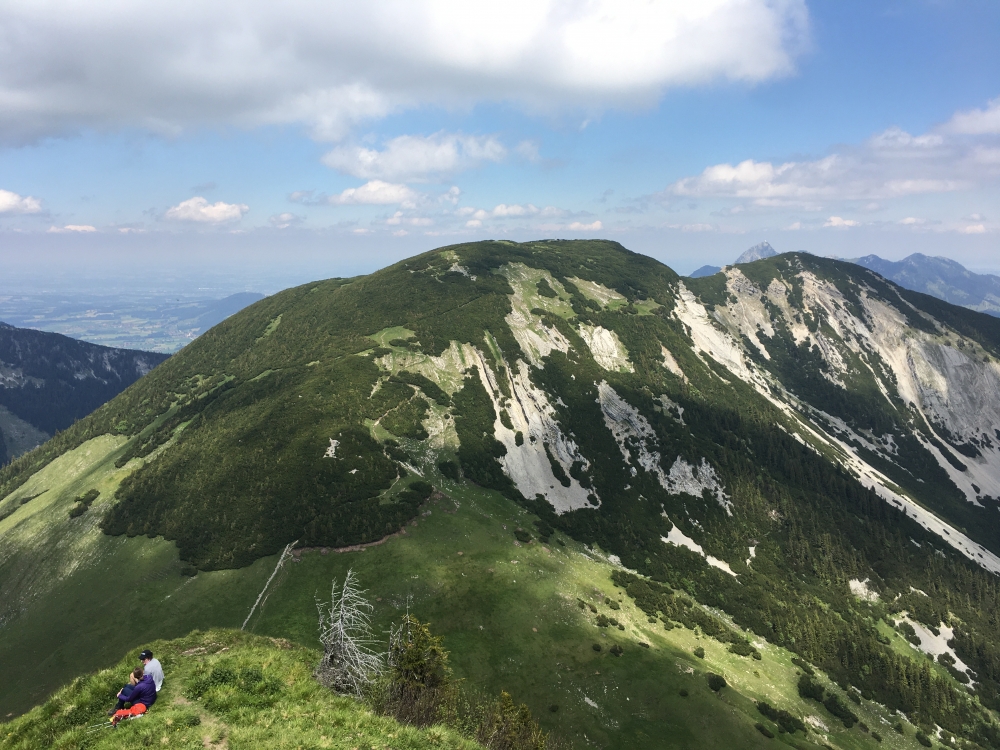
(152,667)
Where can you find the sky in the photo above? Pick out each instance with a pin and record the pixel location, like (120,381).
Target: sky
(283,142)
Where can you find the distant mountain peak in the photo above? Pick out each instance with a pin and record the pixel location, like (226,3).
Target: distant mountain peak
(705,271)
(940,277)
(758,252)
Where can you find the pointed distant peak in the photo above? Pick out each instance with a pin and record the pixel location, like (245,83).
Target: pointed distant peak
(757,252)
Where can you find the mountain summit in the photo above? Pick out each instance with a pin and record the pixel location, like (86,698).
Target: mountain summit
(941,277)
(599,481)
(758,252)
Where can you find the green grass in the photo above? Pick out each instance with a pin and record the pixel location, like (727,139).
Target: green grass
(223,689)
(514,626)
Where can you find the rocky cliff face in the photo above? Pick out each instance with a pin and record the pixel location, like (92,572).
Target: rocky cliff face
(48,381)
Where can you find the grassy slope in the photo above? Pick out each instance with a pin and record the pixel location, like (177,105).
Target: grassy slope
(514,626)
(285,708)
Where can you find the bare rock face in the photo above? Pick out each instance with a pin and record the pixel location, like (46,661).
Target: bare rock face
(48,381)
(758,252)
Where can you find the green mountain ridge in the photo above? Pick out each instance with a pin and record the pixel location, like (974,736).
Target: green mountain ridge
(794,454)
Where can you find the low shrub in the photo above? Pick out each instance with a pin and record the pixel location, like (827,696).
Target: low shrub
(923,739)
(699,652)
(810,689)
(804,666)
(781,717)
(716,681)
(836,707)
(764,730)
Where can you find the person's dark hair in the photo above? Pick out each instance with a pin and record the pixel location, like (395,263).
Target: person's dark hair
(138,672)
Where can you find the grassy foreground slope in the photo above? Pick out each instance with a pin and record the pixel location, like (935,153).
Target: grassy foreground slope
(224,689)
(509,612)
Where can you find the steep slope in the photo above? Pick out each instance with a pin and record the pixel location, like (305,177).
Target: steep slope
(48,381)
(223,689)
(942,278)
(794,447)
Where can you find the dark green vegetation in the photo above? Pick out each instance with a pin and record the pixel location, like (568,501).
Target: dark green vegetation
(325,416)
(223,689)
(51,381)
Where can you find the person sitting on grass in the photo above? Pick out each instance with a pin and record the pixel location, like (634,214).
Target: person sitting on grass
(152,667)
(140,694)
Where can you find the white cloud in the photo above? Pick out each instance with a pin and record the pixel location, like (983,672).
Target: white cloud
(473,223)
(504,211)
(794,226)
(577,226)
(838,222)
(976,121)
(974,229)
(910,221)
(375,192)
(414,221)
(330,64)
(200,210)
(72,228)
(414,157)
(12,203)
(891,164)
(285,220)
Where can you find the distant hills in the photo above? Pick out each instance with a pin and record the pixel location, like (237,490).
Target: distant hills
(940,277)
(760,251)
(48,381)
(937,276)
(154,321)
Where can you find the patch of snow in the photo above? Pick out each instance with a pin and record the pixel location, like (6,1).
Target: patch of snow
(462,270)
(753,554)
(632,431)
(861,591)
(331,451)
(707,339)
(669,407)
(684,478)
(935,644)
(607,349)
(533,416)
(680,539)
(589,702)
(670,364)
(817,723)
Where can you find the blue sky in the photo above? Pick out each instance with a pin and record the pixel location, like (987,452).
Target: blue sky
(324,138)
